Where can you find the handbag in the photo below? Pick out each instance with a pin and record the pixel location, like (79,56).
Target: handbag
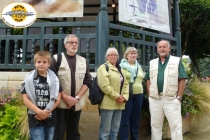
(130,89)
(95,94)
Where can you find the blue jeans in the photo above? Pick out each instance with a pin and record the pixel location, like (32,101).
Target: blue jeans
(130,119)
(110,122)
(41,133)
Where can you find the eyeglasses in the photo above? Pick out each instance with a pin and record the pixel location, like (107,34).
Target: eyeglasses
(115,55)
(72,42)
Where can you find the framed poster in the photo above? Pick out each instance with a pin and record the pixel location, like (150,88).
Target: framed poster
(152,14)
(52,8)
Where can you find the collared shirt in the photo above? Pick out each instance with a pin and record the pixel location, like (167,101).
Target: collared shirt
(161,69)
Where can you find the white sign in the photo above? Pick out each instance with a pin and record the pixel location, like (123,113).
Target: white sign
(152,14)
(18,15)
(52,8)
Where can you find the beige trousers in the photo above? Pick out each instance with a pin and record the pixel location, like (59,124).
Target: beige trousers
(171,108)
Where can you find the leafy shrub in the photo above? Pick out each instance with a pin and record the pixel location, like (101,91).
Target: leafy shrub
(12,114)
(196,98)
(188,103)
(9,121)
(201,92)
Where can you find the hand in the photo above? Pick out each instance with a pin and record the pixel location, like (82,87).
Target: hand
(42,114)
(179,100)
(38,118)
(70,101)
(120,99)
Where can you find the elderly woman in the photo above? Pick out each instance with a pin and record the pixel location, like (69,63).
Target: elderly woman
(131,115)
(115,89)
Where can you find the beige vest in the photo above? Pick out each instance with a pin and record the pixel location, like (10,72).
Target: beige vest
(64,76)
(171,73)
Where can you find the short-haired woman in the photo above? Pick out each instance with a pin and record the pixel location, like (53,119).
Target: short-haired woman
(115,89)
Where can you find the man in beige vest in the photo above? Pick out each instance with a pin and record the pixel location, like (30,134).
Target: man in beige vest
(75,80)
(165,85)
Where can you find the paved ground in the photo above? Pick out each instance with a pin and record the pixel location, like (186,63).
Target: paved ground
(200,130)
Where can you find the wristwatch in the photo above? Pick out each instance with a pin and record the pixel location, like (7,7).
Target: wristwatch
(179,98)
(77,97)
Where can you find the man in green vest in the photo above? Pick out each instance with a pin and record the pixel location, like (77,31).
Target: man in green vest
(75,79)
(165,85)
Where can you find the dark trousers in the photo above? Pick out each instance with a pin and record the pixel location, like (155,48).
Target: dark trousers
(67,122)
(130,119)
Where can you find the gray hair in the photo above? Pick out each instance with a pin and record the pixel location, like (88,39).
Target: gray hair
(128,50)
(109,50)
(169,45)
(69,36)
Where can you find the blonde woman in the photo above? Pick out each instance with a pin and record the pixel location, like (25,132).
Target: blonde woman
(130,118)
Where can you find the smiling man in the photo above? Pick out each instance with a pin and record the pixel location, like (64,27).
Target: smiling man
(75,80)
(165,85)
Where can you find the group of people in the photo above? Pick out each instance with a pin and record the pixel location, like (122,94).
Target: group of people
(120,110)
(54,93)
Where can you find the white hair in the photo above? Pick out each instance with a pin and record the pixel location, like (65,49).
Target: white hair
(109,50)
(69,36)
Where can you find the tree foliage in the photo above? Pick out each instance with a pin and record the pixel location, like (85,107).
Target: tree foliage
(195,29)
(204,66)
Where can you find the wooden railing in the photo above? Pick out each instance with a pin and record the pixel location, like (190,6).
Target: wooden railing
(17,51)
(144,41)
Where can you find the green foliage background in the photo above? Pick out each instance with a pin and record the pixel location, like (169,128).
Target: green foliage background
(195,30)
(9,121)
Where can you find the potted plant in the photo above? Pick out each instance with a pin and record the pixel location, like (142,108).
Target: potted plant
(195,101)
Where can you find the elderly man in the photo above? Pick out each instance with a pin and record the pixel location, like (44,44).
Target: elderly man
(165,85)
(75,80)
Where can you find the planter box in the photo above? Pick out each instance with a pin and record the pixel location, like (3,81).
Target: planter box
(186,127)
